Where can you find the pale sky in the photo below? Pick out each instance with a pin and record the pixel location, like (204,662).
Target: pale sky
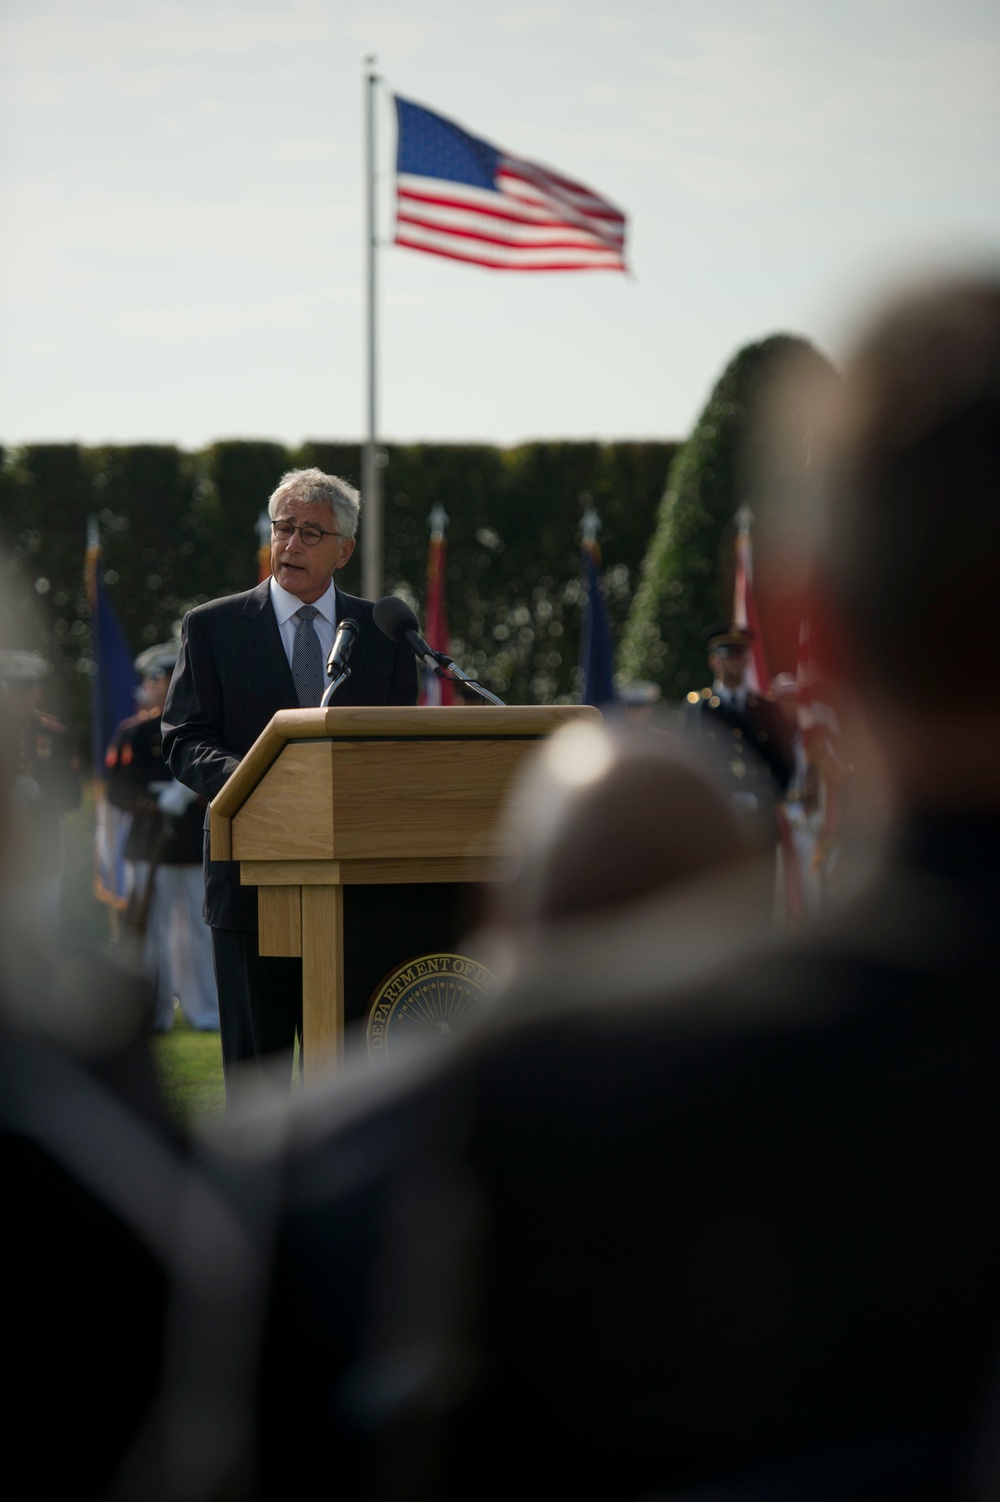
(181,185)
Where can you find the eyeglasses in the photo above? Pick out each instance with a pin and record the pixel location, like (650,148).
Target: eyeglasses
(310,535)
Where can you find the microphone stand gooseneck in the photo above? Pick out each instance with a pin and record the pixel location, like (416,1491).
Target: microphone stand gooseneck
(455,675)
(333,686)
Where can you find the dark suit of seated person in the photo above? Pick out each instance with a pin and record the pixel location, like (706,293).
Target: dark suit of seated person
(106,1215)
(700,1214)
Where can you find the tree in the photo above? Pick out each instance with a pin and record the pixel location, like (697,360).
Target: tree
(729,460)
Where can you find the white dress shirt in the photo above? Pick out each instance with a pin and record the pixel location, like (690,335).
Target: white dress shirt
(287,606)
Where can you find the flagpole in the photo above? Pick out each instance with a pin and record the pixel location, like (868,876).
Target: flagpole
(371,524)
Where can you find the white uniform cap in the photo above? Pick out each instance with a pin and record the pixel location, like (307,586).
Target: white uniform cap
(23,667)
(158,661)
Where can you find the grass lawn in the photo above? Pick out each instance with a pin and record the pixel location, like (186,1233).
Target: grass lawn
(190,1067)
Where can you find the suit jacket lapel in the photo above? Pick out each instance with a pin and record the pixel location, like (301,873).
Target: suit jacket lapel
(260,626)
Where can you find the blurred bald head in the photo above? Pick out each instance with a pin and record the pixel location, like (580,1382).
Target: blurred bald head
(912,551)
(605,815)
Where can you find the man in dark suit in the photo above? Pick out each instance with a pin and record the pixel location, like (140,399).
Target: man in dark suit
(696,1214)
(242,659)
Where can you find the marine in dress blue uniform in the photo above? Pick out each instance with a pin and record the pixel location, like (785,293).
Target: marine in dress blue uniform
(164,851)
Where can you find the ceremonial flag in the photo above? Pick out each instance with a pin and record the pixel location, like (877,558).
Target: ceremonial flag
(821,743)
(263,547)
(745,607)
(461,197)
(113,692)
(790,881)
(436,690)
(596,652)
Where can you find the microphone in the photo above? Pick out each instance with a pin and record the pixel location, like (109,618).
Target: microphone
(396,620)
(341,649)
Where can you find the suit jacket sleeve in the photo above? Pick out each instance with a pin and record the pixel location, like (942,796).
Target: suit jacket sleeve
(193,716)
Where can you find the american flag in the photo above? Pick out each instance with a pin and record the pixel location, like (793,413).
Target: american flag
(460,197)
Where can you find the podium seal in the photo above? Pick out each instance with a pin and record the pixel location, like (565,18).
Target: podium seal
(434,995)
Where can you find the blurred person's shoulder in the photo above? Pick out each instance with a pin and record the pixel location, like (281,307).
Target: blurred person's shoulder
(705,961)
(697,974)
(90,1007)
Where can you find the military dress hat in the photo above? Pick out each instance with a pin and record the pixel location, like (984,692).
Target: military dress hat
(23,667)
(727,635)
(157,662)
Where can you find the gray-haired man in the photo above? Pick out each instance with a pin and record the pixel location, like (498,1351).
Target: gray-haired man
(242,659)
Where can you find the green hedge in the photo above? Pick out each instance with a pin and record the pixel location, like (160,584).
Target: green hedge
(178,528)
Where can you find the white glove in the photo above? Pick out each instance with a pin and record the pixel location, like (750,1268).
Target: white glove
(172,797)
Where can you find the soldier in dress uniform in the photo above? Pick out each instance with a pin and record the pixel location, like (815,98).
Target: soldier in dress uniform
(46,785)
(164,853)
(127,776)
(744,734)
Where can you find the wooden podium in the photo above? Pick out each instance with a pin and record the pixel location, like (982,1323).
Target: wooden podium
(328,798)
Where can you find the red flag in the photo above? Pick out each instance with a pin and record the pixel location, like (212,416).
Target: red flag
(436,690)
(759,679)
(745,608)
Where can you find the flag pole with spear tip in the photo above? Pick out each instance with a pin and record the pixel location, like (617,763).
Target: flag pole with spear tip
(371,524)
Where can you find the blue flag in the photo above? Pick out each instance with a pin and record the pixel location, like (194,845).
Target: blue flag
(113,695)
(596,652)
